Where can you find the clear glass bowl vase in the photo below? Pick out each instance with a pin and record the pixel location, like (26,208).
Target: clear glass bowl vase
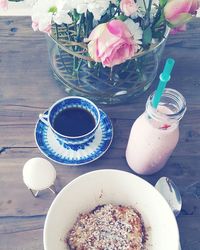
(120,84)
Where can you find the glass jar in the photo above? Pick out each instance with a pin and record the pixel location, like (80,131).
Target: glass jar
(120,84)
(154,135)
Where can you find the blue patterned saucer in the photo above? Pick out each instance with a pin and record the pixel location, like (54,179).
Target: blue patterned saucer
(53,150)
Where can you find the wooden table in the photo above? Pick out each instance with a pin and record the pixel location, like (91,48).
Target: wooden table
(27,88)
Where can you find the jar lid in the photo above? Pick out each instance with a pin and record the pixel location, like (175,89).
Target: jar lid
(38,174)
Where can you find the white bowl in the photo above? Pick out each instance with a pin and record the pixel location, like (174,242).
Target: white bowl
(117,187)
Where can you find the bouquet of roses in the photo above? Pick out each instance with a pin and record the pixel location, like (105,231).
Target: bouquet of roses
(110,31)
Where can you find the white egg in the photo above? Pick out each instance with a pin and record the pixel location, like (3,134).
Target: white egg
(38,174)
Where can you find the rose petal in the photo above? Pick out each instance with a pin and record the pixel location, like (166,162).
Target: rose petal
(174,8)
(118,28)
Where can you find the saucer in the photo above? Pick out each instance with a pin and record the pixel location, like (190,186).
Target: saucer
(52,149)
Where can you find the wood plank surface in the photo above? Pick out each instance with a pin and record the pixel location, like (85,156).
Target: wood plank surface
(27,88)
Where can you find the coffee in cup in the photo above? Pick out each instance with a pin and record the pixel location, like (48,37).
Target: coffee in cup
(72,120)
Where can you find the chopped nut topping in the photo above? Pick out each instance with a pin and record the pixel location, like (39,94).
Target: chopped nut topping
(108,227)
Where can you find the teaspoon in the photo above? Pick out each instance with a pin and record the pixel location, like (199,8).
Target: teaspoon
(171,193)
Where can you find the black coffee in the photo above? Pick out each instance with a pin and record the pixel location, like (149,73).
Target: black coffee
(74,122)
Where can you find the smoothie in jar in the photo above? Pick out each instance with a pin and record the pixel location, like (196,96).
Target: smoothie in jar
(155,133)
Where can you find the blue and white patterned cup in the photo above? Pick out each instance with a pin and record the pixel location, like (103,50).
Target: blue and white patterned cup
(75,142)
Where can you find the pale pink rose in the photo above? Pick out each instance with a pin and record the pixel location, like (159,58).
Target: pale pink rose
(4,4)
(35,25)
(178,12)
(47,29)
(42,23)
(178,29)
(111,43)
(129,7)
(195,6)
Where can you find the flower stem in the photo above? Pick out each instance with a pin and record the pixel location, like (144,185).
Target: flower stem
(149,7)
(76,62)
(79,26)
(74,65)
(111,74)
(67,31)
(57,32)
(145,6)
(79,64)
(89,27)
(98,67)
(110,9)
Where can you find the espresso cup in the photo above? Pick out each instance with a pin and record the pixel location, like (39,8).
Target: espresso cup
(73,121)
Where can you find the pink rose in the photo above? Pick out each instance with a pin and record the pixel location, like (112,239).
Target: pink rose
(35,25)
(42,23)
(129,7)
(178,12)
(178,29)
(4,4)
(111,43)
(195,6)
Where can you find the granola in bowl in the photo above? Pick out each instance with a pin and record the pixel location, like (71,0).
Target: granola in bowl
(113,227)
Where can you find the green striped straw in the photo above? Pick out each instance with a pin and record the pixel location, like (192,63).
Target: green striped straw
(164,78)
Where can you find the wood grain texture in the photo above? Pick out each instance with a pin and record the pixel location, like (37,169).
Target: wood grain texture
(27,88)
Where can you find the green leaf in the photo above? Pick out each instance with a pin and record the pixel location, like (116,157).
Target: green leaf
(75,16)
(118,2)
(105,18)
(163,2)
(160,21)
(147,37)
(53,9)
(122,17)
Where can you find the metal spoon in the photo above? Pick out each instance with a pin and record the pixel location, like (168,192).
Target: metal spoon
(171,193)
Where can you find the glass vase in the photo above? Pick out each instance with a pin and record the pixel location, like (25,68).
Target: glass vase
(103,85)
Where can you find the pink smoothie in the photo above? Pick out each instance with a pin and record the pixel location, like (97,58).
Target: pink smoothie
(149,145)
